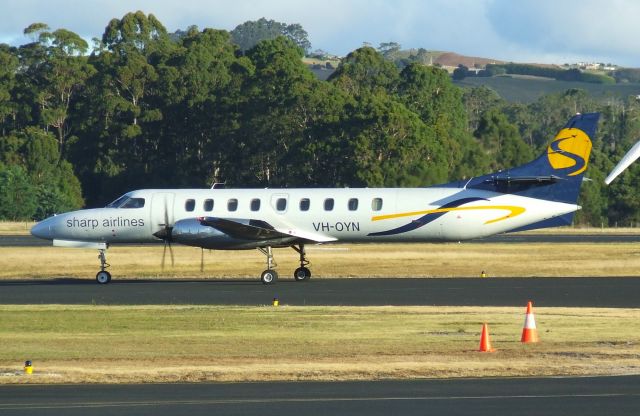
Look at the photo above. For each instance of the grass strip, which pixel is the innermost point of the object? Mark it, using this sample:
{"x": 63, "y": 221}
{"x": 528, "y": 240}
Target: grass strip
{"x": 348, "y": 260}
{"x": 78, "y": 344}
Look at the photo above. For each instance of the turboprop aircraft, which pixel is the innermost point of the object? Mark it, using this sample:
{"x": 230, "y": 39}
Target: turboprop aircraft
{"x": 541, "y": 193}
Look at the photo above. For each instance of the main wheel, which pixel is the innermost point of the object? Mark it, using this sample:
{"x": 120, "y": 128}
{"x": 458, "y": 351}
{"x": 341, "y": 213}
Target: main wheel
{"x": 301, "y": 274}
{"x": 103, "y": 277}
{"x": 269, "y": 277}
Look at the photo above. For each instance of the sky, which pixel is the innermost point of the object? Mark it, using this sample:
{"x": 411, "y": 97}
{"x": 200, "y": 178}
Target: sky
{"x": 543, "y": 31}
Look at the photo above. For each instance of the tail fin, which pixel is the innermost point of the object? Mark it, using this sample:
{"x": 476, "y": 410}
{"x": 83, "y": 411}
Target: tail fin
{"x": 557, "y": 174}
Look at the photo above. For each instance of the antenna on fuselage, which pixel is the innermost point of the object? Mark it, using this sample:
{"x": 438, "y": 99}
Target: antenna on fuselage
{"x": 219, "y": 185}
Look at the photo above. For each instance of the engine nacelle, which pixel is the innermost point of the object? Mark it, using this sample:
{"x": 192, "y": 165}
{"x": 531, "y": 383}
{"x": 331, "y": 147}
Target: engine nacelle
{"x": 191, "y": 232}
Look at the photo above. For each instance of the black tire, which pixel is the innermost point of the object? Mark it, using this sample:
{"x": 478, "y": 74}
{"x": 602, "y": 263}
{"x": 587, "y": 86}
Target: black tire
{"x": 301, "y": 274}
{"x": 269, "y": 277}
{"x": 103, "y": 277}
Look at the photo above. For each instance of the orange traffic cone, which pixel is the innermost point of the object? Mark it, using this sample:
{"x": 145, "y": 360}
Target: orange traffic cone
{"x": 529, "y": 332}
{"x": 485, "y": 344}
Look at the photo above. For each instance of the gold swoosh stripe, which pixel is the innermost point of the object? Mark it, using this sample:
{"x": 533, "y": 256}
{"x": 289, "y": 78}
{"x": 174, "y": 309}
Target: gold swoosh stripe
{"x": 513, "y": 212}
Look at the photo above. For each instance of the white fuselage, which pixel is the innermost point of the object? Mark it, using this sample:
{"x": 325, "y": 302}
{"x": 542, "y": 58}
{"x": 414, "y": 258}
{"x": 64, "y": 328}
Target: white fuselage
{"x": 354, "y": 215}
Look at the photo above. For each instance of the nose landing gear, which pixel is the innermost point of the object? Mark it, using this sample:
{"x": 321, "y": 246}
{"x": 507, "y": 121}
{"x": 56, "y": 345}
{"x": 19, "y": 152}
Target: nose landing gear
{"x": 103, "y": 277}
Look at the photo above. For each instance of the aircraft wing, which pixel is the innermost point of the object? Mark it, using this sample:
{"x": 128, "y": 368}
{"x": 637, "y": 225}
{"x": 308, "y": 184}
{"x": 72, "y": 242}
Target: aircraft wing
{"x": 249, "y": 229}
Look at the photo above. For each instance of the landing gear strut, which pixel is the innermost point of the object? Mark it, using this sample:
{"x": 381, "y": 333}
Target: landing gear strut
{"x": 302, "y": 273}
{"x": 103, "y": 277}
{"x": 268, "y": 276}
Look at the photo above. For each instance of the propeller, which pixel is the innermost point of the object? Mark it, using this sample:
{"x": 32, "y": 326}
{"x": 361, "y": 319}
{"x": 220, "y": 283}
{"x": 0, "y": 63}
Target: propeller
{"x": 201, "y": 260}
{"x": 165, "y": 235}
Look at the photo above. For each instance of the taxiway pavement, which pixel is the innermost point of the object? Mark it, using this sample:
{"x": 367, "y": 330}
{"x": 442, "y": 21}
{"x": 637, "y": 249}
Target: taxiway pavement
{"x": 582, "y": 396}
{"x": 613, "y": 292}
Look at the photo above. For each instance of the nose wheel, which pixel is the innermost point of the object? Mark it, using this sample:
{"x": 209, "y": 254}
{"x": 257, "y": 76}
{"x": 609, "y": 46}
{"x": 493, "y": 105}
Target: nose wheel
{"x": 103, "y": 276}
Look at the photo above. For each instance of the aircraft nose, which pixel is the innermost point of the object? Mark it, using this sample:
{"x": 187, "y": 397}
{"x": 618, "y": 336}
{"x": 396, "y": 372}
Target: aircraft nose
{"x": 42, "y": 230}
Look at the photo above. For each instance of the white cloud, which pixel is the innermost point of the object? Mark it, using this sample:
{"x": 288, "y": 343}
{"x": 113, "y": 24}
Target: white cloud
{"x": 585, "y": 28}
{"x": 523, "y": 30}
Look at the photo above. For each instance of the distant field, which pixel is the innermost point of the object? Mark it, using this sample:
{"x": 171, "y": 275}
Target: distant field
{"x": 529, "y": 89}
{"x": 15, "y": 227}
{"x": 165, "y": 343}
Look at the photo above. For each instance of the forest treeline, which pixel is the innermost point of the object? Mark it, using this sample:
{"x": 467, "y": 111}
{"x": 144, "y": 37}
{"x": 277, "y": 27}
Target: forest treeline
{"x": 144, "y": 108}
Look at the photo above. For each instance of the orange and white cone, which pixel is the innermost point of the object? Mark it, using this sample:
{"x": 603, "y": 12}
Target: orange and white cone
{"x": 485, "y": 344}
{"x": 529, "y": 332}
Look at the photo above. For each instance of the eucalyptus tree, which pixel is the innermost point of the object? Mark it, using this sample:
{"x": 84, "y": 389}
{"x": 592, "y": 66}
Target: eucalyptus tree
{"x": 58, "y": 70}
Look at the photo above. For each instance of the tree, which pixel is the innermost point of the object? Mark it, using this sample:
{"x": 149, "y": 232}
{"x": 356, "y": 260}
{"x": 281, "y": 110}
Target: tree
{"x": 8, "y": 68}
{"x": 250, "y": 33}
{"x": 502, "y": 142}
{"x": 477, "y": 100}
{"x": 365, "y": 70}
{"x": 274, "y": 112}
{"x": 17, "y": 194}
{"x": 460, "y": 72}
{"x": 429, "y": 92}
{"x": 389, "y": 50}
{"x": 52, "y": 74}
{"x": 392, "y": 146}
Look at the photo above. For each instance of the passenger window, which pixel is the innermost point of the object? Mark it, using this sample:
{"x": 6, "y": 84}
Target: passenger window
{"x": 133, "y": 203}
{"x": 328, "y": 204}
{"x": 255, "y": 204}
{"x": 232, "y": 205}
{"x": 304, "y": 204}
{"x": 208, "y": 205}
{"x": 376, "y": 204}
{"x": 353, "y": 204}
{"x": 281, "y": 204}
{"x": 190, "y": 205}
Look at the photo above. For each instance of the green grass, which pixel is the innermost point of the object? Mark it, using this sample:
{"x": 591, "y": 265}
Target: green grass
{"x": 190, "y": 343}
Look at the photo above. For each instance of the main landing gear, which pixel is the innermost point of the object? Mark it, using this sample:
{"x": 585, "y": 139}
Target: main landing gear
{"x": 302, "y": 273}
{"x": 103, "y": 276}
{"x": 270, "y": 276}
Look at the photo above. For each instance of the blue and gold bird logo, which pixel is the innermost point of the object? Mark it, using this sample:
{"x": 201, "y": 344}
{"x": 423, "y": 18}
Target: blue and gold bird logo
{"x": 570, "y": 151}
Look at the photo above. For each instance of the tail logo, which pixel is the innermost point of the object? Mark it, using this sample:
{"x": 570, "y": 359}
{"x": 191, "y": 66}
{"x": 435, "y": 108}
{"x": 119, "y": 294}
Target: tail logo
{"x": 570, "y": 151}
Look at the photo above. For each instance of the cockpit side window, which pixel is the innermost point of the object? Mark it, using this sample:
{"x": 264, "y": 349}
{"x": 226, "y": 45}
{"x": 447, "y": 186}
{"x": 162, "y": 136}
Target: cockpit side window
{"x": 118, "y": 202}
{"x": 126, "y": 201}
{"x": 133, "y": 203}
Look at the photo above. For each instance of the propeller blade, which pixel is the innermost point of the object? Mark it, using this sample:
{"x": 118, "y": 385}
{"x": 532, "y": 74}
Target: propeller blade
{"x": 165, "y": 234}
{"x": 164, "y": 253}
{"x": 201, "y": 260}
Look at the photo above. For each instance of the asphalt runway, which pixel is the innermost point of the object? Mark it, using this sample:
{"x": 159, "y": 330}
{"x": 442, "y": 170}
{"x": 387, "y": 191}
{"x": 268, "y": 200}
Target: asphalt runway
{"x": 495, "y": 397}
{"x": 610, "y": 292}
{"x": 492, "y": 397}
{"x": 30, "y": 241}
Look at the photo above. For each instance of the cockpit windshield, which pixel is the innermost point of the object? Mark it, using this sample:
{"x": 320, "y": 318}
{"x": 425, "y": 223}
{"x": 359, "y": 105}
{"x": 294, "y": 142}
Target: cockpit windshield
{"x": 126, "y": 201}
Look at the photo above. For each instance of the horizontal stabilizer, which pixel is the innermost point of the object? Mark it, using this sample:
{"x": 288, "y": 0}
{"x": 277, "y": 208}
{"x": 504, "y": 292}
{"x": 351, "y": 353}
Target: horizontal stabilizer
{"x": 548, "y": 179}
{"x": 625, "y": 162}
{"x": 79, "y": 244}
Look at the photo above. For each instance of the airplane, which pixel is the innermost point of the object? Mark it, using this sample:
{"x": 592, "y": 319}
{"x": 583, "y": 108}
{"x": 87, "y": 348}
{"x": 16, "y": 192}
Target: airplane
{"x": 541, "y": 193}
